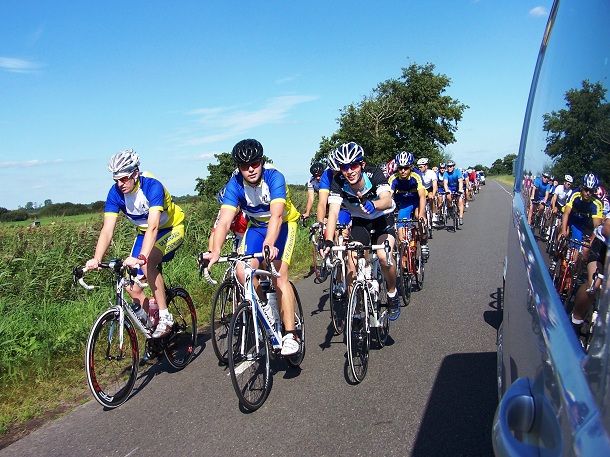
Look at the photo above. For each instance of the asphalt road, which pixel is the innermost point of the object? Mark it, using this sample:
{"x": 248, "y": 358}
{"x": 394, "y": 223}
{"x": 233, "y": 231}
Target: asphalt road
{"x": 430, "y": 392}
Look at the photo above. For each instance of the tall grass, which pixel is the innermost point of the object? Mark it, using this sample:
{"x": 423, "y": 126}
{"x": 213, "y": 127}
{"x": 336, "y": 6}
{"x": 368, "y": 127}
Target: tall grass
{"x": 45, "y": 320}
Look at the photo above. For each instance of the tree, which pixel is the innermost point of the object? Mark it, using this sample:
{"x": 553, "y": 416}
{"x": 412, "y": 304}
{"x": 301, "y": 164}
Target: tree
{"x": 48, "y": 202}
{"x": 409, "y": 113}
{"x": 578, "y": 137}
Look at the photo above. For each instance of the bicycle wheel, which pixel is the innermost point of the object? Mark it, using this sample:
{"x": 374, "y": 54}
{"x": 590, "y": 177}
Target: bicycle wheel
{"x": 225, "y": 303}
{"x": 249, "y": 365}
{"x": 299, "y": 330}
{"x": 403, "y": 278}
{"x": 454, "y": 215}
{"x": 180, "y": 343}
{"x": 382, "y": 331}
{"x": 111, "y": 371}
{"x": 358, "y": 338}
{"x": 318, "y": 265}
{"x": 337, "y": 301}
{"x": 419, "y": 268}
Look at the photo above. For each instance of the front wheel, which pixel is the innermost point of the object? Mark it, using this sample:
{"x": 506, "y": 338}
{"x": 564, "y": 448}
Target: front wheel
{"x": 249, "y": 358}
{"x": 358, "y": 337}
{"x": 420, "y": 268}
{"x": 112, "y": 370}
{"x": 180, "y": 343}
{"x": 225, "y": 303}
{"x": 337, "y": 301}
{"x": 403, "y": 277}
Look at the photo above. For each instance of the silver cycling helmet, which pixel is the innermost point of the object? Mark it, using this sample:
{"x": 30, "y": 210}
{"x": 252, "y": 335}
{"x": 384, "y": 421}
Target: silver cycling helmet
{"x": 123, "y": 163}
{"x": 422, "y": 161}
{"x": 568, "y": 178}
{"x": 349, "y": 153}
{"x": 332, "y": 161}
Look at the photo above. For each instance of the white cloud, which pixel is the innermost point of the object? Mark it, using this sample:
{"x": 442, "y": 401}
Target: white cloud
{"x": 229, "y": 121}
{"x": 539, "y": 11}
{"x": 29, "y": 163}
{"x": 18, "y": 65}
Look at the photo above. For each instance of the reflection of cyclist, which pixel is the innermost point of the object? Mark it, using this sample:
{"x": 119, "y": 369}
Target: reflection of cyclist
{"x": 313, "y": 185}
{"x": 583, "y": 211}
{"x": 149, "y": 206}
{"x": 272, "y": 222}
{"x": 539, "y": 195}
{"x": 366, "y": 194}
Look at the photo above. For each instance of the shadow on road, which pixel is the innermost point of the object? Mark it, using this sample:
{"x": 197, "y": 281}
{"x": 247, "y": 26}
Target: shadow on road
{"x": 461, "y": 408}
{"x": 494, "y": 318}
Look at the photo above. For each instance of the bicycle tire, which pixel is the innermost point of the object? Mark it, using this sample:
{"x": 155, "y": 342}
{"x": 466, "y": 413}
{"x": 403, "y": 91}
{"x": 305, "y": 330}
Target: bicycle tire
{"x": 403, "y": 278}
{"x": 224, "y": 305}
{"x": 179, "y": 345}
{"x": 358, "y": 338}
{"x": 337, "y": 304}
{"x": 320, "y": 270}
{"x": 299, "y": 330}
{"x": 454, "y": 212}
{"x": 382, "y": 331}
{"x": 249, "y": 369}
{"x": 111, "y": 373}
{"x": 420, "y": 268}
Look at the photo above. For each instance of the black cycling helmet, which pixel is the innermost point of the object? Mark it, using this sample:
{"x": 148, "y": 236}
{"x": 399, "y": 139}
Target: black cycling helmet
{"x": 247, "y": 151}
{"x": 317, "y": 168}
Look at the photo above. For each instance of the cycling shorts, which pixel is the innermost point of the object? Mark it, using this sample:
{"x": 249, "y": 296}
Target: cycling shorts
{"x": 286, "y": 240}
{"x": 405, "y": 213}
{"x": 361, "y": 228}
{"x": 168, "y": 241}
{"x": 598, "y": 251}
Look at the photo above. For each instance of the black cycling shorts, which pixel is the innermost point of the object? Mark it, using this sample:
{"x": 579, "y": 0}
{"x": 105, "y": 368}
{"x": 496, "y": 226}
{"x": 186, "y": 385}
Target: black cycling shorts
{"x": 361, "y": 228}
{"x": 598, "y": 251}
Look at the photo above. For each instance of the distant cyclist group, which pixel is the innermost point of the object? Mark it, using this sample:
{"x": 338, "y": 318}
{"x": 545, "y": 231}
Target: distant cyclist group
{"x": 573, "y": 218}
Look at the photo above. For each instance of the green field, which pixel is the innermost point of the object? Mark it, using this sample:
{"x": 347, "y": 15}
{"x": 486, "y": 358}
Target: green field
{"x": 45, "y": 320}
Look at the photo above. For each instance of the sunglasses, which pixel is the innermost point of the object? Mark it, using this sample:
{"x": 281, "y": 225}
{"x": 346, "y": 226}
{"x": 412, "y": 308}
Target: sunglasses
{"x": 350, "y": 166}
{"x": 404, "y": 168}
{"x": 450, "y": 166}
{"x": 246, "y": 166}
{"x": 124, "y": 179}
{"x": 586, "y": 189}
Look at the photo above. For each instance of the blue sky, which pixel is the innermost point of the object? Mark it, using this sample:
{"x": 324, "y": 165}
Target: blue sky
{"x": 179, "y": 81}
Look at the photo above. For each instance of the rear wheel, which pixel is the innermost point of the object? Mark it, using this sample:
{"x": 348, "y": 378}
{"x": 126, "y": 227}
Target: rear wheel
{"x": 403, "y": 277}
{"x": 358, "y": 338}
{"x": 225, "y": 303}
{"x": 420, "y": 268}
{"x": 383, "y": 320}
{"x": 180, "y": 343}
{"x": 249, "y": 358}
{"x": 111, "y": 370}
{"x": 299, "y": 330}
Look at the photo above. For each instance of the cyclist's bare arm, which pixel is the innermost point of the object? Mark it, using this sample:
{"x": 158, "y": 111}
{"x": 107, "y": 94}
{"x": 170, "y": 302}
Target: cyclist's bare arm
{"x": 103, "y": 242}
{"x": 322, "y": 201}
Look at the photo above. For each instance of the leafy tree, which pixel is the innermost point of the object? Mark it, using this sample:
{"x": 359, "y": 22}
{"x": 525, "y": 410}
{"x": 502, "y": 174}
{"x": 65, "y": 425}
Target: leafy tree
{"x": 409, "y": 113}
{"x": 14, "y": 216}
{"x": 578, "y": 138}
{"x": 219, "y": 174}
{"x": 48, "y": 202}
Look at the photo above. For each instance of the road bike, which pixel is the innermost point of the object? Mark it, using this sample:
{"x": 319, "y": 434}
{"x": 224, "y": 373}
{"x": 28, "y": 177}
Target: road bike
{"x": 255, "y": 333}
{"x": 338, "y": 285}
{"x": 365, "y": 310}
{"x": 453, "y": 210}
{"x": 112, "y": 355}
{"x": 411, "y": 262}
{"x": 321, "y": 270}
{"x": 568, "y": 268}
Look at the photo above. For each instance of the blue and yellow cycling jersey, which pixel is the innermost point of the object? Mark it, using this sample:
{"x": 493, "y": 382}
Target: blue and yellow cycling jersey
{"x": 256, "y": 200}
{"x": 405, "y": 191}
{"x": 326, "y": 180}
{"x": 584, "y": 210}
{"x": 148, "y": 194}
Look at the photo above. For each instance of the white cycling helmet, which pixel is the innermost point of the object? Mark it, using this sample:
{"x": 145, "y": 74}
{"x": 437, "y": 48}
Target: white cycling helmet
{"x": 404, "y": 159}
{"x": 349, "y": 153}
{"x": 332, "y": 161}
{"x": 568, "y": 178}
{"x": 123, "y": 163}
{"x": 422, "y": 161}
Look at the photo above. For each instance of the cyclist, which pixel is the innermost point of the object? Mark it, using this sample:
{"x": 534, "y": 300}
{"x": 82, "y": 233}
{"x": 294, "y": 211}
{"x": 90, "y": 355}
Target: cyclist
{"x": 454, "y": 182}
{"x": 410, "y": 195}
{"x": 430, "y": 182}
{"x": 561, "y": 194}
{"x": 263, "y": 195}
{"x": 366, "y": 193}
{"x": 313, "y": 186}
{"x": 583, "y": 212}
{"x": 539, "y": 195}
{"x": 238, "y": 225}
{"x": 147, "y": 204}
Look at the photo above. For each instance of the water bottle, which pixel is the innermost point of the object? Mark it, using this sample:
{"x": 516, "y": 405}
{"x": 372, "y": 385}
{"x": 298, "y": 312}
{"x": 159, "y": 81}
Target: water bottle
{"x": 374, "y": 285}
{"x": 140, "y": 313}
{"x": 272, "y": 302}
{"x": 153, "y": 312}
{"x": 267, "y": 309}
